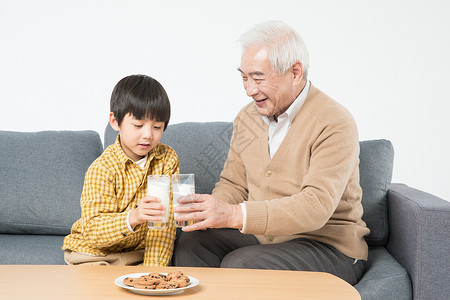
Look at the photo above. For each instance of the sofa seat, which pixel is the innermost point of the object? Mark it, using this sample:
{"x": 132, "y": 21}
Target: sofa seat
{"x": 383, "y": 276}
{"x": 31, "y": 249}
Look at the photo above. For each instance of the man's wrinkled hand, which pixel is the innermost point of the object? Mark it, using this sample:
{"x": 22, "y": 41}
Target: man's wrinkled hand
{"x": 208, "y": 212}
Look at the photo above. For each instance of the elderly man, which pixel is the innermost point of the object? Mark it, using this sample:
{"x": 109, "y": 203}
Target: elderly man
{"x": 289, "y": 196}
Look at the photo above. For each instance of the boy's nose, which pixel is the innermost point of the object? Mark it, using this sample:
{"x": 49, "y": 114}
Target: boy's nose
{"x": 148, "y": 134}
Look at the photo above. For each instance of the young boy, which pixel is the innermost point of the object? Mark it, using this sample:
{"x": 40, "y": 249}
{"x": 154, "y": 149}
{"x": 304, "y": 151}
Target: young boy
{"x": 114, "y": 206}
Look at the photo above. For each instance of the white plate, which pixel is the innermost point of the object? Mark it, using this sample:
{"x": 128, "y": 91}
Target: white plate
{"x": 119, "y": 282}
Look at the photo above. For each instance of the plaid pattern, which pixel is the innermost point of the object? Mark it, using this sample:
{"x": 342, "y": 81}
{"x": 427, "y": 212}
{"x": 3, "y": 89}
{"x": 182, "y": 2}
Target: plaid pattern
{"x": 113, "y": 186}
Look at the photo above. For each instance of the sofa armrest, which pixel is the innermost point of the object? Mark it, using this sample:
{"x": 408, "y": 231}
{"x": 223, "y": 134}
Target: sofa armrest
{"x": 419, "y": 225}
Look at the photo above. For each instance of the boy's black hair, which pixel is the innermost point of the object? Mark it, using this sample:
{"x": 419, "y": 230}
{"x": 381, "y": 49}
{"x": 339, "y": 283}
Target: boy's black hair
{"x": 143, "y": 97}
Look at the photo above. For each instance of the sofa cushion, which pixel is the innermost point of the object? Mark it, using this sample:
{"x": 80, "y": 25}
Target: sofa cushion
{"x": 31, "y": 249}
{"x": 384, "y": 278}
{"x": 202, "y": 149}
{"x": 41, "y": 179}
{"x": 375, "y": 168}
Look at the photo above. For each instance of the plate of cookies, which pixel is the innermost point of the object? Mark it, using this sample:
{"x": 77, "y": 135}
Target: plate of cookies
{"x": 156, "y": 283}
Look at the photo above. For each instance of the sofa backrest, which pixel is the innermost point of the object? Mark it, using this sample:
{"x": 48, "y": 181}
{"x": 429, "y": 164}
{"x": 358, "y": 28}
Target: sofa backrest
{"x": 41, "y": 179}
{"x": 202, "y": 149}
{"x": 376, "y": 161}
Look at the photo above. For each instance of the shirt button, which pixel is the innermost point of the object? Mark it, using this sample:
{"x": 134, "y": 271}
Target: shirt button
{"x": 270, "y": 239}
{"x": 269, "y": 173}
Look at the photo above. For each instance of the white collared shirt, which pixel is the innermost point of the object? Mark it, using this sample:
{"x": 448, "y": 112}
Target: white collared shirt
{"x": 141, "y": 162}
{"x": 278, "y": 131}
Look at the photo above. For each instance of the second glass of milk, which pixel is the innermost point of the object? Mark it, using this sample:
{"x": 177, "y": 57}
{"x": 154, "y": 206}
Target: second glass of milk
{"x": 182, "y": 185}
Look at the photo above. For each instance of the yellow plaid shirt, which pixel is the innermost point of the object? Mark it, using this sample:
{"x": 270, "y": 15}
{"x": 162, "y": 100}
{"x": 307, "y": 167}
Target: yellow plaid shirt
{"x": 113, "y": 186}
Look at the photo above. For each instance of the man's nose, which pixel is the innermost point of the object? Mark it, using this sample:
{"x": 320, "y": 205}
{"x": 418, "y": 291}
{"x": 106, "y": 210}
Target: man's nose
{"x": 251, "y": 88}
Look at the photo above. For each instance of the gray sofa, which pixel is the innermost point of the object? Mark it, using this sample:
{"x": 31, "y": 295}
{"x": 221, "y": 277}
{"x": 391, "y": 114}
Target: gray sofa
{"x": 42, "y": 173}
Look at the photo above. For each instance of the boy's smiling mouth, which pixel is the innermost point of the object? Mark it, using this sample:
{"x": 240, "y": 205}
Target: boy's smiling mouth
{"x": 144, "y": 145}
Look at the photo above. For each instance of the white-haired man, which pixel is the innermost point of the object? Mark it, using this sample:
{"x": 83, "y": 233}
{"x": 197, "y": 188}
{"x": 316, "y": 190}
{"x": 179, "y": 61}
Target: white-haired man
{"x": 289, "y": 195}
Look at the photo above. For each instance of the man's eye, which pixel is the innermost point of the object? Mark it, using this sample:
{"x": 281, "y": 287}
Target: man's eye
{"x": 244, "y": 78}
{"x": 258, "y": 81}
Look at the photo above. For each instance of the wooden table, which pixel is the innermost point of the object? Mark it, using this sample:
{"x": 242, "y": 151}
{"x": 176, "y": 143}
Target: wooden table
{"x": 97, "y": 282}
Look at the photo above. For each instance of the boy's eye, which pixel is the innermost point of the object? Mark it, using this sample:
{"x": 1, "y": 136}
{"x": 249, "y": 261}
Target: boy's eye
{"x": 157, "y": 127}
{"x": 137, "y": 126}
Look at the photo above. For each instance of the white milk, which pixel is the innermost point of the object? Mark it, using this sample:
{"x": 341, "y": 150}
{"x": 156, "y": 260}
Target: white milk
{"x": 162, "y": 191}
{"x": 180, "y": 190}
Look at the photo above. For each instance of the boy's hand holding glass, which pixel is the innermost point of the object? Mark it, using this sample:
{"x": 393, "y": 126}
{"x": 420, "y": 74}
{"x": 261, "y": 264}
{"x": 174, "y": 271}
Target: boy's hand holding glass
{"x": 149, "y": 209}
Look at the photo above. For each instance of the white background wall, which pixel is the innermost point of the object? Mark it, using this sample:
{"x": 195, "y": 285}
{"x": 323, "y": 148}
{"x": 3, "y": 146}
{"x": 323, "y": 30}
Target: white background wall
{"x": 387, "y": 61}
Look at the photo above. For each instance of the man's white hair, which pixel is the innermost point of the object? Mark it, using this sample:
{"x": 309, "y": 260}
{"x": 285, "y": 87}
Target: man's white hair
{"x": 285, "y": 45}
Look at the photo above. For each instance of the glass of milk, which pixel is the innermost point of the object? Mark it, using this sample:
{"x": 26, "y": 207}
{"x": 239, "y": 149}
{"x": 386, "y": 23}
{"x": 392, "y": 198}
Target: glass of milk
{"x": 182, "y": 185}
{"x": 159, "y": 186}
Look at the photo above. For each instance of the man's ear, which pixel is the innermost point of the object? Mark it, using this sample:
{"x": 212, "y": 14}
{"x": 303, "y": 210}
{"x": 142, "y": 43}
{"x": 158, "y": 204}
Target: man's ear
{"x": 297, "y": 71}
{"x": 113, "y": 121}
{"x": 298, "y": 80}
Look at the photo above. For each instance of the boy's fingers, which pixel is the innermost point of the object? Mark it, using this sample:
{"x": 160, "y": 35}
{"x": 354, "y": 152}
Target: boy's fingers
{"x": 155, "y": 213}
{"x": 148, "y": 199}
{"x": 154, "y": 208}
{"x": 153, "y": 218}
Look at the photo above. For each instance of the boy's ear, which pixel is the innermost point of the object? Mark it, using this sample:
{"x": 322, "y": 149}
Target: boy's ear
{"x": 113, "y": 121}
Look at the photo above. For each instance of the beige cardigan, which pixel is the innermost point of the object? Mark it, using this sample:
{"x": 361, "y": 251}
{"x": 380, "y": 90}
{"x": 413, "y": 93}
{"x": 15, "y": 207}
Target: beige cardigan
{"x": 310, "y": 188}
